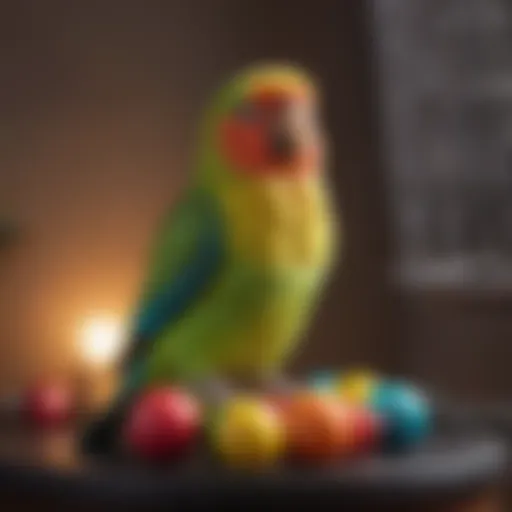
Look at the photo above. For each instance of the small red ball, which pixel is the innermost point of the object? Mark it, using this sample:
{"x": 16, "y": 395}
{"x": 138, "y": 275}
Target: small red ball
{"x": 48, "y": 404}
{"x": 367, "y": 430}
{"x": 162, "y": 424}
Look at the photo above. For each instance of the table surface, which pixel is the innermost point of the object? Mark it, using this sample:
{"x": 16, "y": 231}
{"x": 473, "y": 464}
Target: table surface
{"x": 49, "y": 462}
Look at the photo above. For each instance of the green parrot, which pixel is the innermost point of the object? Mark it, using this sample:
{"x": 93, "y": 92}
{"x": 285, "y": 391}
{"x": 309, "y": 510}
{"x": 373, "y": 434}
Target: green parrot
{"x": 240, "y": 261}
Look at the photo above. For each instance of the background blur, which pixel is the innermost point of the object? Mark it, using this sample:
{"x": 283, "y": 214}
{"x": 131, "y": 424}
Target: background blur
{"x": 99, "y": 105}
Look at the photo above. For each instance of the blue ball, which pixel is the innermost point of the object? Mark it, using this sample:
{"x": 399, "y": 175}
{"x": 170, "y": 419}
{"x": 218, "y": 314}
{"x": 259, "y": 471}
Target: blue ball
{"x": 406, "y": 413}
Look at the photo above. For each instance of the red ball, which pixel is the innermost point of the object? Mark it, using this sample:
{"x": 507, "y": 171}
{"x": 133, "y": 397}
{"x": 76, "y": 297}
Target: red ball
{"x": 163, "y": 423}
{"x": 367, "y": 430}
{"x": 48, "y": 404}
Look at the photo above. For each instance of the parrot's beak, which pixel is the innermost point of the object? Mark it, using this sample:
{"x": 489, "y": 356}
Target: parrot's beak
{"x": 290, "y": 141}
{"x": 272, "y": 132}
{"x": 283, "y": 145}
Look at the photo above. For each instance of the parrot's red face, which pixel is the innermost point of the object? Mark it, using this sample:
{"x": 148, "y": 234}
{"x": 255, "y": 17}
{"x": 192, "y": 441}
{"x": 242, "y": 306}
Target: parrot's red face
{"x": 273, "y": 131}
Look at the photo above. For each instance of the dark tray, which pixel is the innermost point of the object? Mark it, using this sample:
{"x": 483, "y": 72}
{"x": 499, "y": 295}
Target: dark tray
{"x": 50, "y": 464}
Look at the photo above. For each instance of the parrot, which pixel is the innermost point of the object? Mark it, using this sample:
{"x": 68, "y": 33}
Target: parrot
{"x": 240, "y": 260}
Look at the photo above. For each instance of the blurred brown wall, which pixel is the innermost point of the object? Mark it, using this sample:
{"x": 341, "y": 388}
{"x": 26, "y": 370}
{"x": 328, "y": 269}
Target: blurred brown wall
{"x": 99, "y": 102}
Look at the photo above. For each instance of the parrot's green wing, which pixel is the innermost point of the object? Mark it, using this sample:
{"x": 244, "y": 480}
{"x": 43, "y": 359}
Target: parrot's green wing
{"x": 185, "y": 262}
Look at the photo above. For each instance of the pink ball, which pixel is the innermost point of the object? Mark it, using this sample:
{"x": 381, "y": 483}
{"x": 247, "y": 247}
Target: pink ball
{"x": 48, "y": 404}
{"x": 163, "y": 423}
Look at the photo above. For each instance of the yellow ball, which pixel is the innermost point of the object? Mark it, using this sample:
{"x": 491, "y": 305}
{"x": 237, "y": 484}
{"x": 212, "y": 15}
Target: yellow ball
{"x": 356, "y": 387}
{"x": 249, "y": 434}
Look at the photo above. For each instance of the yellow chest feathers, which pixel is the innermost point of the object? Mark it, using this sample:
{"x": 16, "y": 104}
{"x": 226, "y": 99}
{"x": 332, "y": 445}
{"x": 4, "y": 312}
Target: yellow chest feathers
{"x": 280, "y": 222}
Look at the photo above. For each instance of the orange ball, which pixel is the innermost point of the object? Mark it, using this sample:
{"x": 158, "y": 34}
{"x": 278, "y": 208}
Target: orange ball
{"x": 319, "y": 428}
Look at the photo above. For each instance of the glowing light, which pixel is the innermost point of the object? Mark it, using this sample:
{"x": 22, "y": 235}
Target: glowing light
{"x": 101, "y": 340}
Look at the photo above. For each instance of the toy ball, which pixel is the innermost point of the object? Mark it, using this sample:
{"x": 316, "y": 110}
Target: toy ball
{"x": 367, "y": 429}
{"x": 48, "y": 404}
{"x": 319, "y": 428}
{"x": 249, "y": 433}
{"x": 162, "y": 423}
{"x": 406, "y": 413}
{"x": 356, "y": 387}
